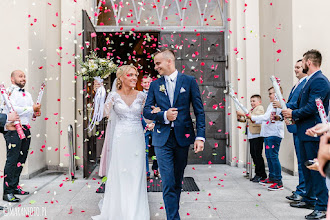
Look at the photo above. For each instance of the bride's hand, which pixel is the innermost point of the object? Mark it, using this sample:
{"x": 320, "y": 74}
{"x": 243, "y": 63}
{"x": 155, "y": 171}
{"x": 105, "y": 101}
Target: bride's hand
{"x": 155, "y": 110}
{"x": 151, "y": 126}
{"x": 97, "y": 85}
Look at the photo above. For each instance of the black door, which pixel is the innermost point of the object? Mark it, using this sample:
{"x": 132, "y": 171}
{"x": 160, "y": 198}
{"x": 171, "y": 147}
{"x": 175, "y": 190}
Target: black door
{"x": 203, "y": 56}
{"x": 89, "y": 149}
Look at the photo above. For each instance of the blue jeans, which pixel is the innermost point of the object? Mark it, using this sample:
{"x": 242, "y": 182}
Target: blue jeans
{"x": 272, "y": 147}
{"x": 300, "y": 190}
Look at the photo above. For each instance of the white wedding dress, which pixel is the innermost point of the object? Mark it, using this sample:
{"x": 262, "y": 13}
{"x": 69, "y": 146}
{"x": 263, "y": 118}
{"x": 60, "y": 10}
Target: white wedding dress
{"x": 125, "y": 195}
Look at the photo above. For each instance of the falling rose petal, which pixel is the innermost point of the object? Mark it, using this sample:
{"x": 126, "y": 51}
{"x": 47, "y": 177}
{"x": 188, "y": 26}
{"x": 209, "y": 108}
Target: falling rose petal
{"x": 274, "y": 41}
{"x": 161, "y": 207}
{"x": 61, "y": 184}
{"x": 253, "y": 79}
{"x": 216, "y": 76}
{"x": 228, "y": 19}
{"x": 19, "y": 164}
{"x": 223, "y": 157}
{"x": 46, "y": 119}
{"x": 67, "y": 155}
{"x": 93, "y": 34}
{"x": 188, "y": 213}
{"x": 187, "y": 135}
{"x": 279, "y": 51}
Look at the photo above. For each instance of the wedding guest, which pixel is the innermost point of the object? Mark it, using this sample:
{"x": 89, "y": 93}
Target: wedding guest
{"x": 293, "y": 98}
{"x": 255, "y": 139}
{"x": 148, "y": 126}
{"x": 273, "y": 133}
{"x": 4, "y": 119}
{"x": 305, "y": 114}
{"x": 17, "y": 149}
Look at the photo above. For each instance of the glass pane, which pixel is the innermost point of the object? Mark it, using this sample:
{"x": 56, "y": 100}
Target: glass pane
{"x": 212, "y": 14}
{"x": 191, "y": 14}
{"x": 127, "y": 16}
{"x": 171, "y": 16}
{"x": 106, "y": 16}
{"x": 148, "y": 13}
{"x": 144, "y": 13}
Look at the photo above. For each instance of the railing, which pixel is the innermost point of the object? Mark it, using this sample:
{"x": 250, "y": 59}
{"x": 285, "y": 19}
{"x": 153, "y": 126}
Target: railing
{"x": 72, "y": 165}
{"x": 249, "y": 161}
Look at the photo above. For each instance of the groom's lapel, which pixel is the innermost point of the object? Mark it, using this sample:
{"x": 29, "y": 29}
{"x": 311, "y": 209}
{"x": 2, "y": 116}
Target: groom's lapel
{"x": 177, "y": 87}
{"x": 162, "y": 82}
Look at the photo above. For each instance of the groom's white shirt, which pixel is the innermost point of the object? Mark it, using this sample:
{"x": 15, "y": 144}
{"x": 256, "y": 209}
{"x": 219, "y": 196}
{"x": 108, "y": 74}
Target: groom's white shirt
{"x": 170, "y": 82}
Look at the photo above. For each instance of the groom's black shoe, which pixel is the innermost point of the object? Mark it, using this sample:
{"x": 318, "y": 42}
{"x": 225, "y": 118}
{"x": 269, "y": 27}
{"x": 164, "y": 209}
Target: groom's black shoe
{"x": 10, "y": 198}
{"x": 101, "y": 189}
{"x": 21, "y": 192}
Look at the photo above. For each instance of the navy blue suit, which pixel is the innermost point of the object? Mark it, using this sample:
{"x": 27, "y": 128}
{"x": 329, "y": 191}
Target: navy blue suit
{"x": 3, "y": 120}
{"x": 293, "y": 98}
{"x": 172, "y": 143}
{"x": 306, "y": 115}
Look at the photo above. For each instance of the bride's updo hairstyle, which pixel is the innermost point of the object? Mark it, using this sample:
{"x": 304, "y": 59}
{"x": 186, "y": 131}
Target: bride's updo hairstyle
{"x": 120, "y": 72}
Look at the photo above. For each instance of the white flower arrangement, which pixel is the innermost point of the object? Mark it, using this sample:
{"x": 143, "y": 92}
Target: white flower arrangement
{"x": 162, "y": 88}
{"x": 95, "y": 67}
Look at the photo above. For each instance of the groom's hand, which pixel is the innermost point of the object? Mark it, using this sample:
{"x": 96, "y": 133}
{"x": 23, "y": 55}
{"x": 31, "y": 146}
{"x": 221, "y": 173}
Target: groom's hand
{"x": 198, "y": 146}
{"x": 171, "y": 114}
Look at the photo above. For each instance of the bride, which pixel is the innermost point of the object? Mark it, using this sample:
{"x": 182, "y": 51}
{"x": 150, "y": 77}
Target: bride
{"x": 125, "y": 195}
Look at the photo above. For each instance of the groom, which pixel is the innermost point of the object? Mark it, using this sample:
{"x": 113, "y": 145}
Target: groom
{"x": 174, "y": 132}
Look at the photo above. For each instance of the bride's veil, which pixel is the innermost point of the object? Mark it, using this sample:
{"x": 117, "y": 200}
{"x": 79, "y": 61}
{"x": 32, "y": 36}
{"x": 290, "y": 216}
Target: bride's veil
{"x": 112, "y": 120}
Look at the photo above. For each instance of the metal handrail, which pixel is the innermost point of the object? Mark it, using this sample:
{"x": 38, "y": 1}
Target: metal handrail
{"x": 72, "y": 153}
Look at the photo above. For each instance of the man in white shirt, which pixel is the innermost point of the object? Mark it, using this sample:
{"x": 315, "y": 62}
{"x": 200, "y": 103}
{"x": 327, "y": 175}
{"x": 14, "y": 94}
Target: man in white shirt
{"x": 148, "y": 126}
{"x": 17, "y": 149}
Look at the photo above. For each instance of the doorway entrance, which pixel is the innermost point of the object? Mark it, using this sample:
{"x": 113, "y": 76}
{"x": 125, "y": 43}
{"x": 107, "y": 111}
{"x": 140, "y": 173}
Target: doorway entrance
{"x": 200, "y": 55}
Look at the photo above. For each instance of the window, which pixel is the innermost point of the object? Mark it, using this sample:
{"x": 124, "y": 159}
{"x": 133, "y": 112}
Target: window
{"x": 160, "y": 13}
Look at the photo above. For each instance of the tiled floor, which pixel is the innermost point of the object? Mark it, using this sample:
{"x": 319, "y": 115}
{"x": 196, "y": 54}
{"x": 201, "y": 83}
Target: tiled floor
{"x": 225, "y": 194}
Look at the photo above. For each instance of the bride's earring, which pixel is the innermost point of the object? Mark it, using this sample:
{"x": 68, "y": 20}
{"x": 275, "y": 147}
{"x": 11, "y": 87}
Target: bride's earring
{"x": 119, "y": 84}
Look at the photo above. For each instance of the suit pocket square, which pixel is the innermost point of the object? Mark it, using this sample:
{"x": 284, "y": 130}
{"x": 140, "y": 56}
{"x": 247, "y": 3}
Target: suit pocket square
{"x": 182, "y": 90}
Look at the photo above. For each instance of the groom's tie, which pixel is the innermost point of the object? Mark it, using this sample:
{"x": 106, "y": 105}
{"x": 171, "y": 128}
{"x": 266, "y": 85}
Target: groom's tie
{"x": 170, "y": 83}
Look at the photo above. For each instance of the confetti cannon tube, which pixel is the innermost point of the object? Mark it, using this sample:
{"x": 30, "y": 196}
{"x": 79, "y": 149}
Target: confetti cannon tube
{"x": 232, "y": 93}
{"x": 41, "y": 92}
{"x": 10, "y": 108}
{"x": 321, "y": 110}
{"x": 278, "y": 92}
{"x": 237, "y": 103}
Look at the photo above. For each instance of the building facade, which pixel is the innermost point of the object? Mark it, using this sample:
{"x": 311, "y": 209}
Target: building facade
{"x": 217, "y": 41}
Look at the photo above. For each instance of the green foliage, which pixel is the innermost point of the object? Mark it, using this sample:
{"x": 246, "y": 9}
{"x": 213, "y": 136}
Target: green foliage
{"x": 95, "y": 66}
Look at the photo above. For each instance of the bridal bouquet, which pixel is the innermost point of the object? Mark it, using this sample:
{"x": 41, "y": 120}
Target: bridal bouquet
{"x": 98, "y": 69}
{"x": 95, "y": 67}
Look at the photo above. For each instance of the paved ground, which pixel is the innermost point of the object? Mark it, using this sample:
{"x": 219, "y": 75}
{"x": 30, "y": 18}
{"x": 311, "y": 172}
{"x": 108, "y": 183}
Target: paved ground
{"x": 225, "y": 194}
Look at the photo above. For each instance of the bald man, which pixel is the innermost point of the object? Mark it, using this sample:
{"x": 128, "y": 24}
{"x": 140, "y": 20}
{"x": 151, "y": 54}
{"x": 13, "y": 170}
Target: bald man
{"x": 17, "y": 149}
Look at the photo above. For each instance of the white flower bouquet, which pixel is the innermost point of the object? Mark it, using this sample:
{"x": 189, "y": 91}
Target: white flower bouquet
{"x": 95, "y": 67}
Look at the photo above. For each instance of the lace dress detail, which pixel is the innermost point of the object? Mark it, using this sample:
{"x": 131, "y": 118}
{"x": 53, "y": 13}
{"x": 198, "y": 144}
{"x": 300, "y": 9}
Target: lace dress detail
{"x": 126, "y": 187}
